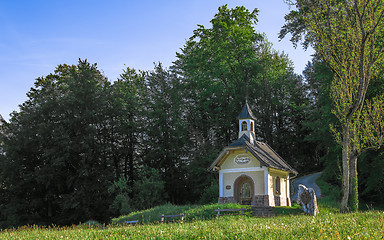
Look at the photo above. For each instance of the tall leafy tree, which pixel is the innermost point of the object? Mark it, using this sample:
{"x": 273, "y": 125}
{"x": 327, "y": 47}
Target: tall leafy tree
{"x": 319, "y": 78}
{"x": 55, "y": 167}
{"x": 346, "y": 35}
{"x": 221, "y": 67}
{"x": 217, "y": 64}
{"x": 279, "y": 99}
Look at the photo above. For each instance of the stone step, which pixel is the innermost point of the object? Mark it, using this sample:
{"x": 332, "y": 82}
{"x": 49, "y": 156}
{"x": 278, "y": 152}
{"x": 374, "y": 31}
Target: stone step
{"x": 263, "y": 211}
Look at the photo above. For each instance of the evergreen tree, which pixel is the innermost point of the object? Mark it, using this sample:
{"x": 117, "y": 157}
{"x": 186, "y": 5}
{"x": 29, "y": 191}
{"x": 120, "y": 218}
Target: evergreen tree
{"x": 55, "y": 168}
{"x": 125, "y": 116}
{"x": 164, "y": 130}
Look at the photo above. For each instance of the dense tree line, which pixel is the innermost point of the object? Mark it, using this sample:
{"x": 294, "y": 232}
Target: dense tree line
{"x": 82, "y": 147}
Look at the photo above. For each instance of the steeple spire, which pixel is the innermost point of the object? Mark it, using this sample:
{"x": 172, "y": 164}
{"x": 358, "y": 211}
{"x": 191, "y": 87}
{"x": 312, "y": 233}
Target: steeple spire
{"x": 247, "y": 123}
{"x": 246, "y": 112}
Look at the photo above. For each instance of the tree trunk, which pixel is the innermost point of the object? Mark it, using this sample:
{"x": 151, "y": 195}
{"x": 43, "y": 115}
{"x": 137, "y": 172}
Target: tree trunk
{"x": 353, "y": 183}
{"x": 345, "y": 162}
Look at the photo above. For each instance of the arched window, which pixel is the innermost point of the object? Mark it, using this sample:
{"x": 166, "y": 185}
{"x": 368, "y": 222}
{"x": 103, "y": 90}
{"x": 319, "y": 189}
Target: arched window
{"x": 277, "y": 185}
{"x": 252, "y": 127}
{"x": 244, "y": 126}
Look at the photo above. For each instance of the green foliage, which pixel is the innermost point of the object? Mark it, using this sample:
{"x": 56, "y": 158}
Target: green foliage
{"x": 126, "y": 107}
{"x": 371, "y": 181}
{"x": 210, "y": 194}
{"x": 326, "y": 149}
{"x": 164, "y": 129}
{"x": 295, "y": 209}
{"x": 149, "y": 190}
{"x": 146, "y": 192}
{"x": 320, "y": 77}
{"x": 122, "y": 201}
{"x": 217, "y": 64}
{"x": 347, "y": 35}
{"x": 74, "y": 137}
{"x": 330, "y": 195}
{"x": 224, "y": 65}
{"x": 55, "y": 169}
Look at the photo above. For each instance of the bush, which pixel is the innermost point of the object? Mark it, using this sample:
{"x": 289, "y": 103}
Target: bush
{"x": 122, "y": 203}
{"x": 146, "y": 193}
{"x": 210, "y": 194}
{"x": 149, "y": 190}
{"x": 91, "y": 224}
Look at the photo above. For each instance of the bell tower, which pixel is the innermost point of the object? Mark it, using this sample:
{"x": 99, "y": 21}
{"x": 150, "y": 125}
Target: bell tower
{"x": 247, "y": 123}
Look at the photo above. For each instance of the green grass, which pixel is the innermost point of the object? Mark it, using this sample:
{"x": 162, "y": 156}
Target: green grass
{"x": 201, "y": 223}
{"x": 361, "y": 225}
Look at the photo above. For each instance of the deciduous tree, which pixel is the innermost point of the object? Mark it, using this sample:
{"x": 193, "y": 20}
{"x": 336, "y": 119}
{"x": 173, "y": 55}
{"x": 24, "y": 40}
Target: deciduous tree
{"x": 346, "y": 35}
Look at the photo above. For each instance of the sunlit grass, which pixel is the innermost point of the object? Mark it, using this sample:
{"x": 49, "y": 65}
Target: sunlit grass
{"x": 201, "y": 223}
{"x": 362, "y": 225}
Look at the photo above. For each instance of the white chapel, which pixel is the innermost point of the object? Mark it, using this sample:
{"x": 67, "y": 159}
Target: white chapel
{"x": 251, "y": 172}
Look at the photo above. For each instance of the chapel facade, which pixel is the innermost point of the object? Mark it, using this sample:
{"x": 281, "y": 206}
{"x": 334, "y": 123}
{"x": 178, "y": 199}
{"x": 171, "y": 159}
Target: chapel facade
{"x": 251, "y": 172}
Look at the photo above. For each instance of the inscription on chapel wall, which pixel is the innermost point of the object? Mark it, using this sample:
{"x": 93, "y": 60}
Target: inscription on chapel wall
{"x": 242, "y": 159}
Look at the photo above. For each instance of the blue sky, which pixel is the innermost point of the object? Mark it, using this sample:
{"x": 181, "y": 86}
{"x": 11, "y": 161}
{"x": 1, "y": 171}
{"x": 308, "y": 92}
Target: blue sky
{"x": 36, "y": 36}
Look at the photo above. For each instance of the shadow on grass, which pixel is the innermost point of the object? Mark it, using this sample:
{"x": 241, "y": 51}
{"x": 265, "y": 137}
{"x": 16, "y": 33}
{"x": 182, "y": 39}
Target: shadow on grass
{"x": 192, "y": 213}
{"x": 206, "y": 212}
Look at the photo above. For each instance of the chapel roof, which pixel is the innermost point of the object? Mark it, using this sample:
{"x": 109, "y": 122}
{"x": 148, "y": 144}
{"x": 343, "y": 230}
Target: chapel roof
{"x": 261, "y": 151}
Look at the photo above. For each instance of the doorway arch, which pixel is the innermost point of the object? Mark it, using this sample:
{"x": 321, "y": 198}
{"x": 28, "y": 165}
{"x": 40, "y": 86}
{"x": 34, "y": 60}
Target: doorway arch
{"x": 244, "y": 190}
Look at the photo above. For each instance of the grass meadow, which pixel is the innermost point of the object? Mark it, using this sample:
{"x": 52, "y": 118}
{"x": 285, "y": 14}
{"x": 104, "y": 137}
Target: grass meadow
{"x": 201, "y": 223}
{"x": 329, "y": 224}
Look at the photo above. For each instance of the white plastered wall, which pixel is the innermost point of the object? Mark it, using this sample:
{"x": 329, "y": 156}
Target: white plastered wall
{"x": 229, "y": 176}
{"x": 284, "y": 183}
